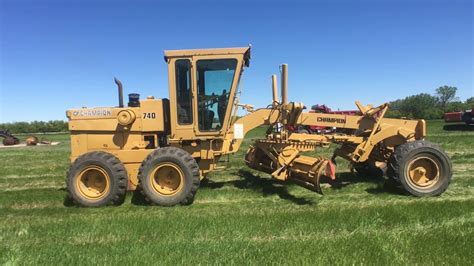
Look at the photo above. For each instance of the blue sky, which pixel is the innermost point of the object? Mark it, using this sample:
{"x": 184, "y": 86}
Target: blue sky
{"x": 56, "y": 55}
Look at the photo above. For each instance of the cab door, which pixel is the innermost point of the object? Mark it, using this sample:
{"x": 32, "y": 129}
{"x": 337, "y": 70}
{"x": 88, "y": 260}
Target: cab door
{"x": 215, "y": 80}
{"x": 181, "y": 88}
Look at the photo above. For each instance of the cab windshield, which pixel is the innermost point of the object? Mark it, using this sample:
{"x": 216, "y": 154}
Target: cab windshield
{"x": 214, "y": 84}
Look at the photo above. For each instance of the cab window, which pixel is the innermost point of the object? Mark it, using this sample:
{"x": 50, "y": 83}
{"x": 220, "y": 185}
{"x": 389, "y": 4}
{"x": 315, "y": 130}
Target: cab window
{"x": 183, "y": 91}
{"x": 214, "y": 83}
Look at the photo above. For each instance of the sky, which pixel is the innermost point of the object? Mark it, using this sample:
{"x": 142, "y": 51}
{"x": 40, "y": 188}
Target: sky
{"x": 56, "y": 55}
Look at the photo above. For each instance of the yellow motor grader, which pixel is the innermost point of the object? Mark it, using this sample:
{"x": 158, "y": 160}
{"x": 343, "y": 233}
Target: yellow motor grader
{"x": 163, "y": 148}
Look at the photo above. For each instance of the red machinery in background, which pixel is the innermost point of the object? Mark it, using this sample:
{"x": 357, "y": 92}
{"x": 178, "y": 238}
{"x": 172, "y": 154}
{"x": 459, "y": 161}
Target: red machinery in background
{"x": 463, "y": 116}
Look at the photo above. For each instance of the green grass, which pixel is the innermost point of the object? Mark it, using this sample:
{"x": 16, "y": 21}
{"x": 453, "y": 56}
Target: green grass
{"x": 240, "y": 216}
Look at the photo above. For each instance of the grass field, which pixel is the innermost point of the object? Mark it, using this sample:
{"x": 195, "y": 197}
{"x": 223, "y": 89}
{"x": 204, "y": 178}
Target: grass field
{"x": 240, "y": 216}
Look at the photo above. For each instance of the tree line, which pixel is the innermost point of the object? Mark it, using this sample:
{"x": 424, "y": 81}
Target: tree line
{"x": 427, "y": 106}
{"x": 35, "y": 126}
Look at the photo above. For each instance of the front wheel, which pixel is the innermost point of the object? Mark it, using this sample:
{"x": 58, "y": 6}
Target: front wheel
{"x": 422, "y": 168}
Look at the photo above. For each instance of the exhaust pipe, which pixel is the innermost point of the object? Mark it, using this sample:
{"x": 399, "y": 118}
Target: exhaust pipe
{"x": 284, "y": 84}
{"x": 275, "y": 90}
{"x": 120, "y": 91}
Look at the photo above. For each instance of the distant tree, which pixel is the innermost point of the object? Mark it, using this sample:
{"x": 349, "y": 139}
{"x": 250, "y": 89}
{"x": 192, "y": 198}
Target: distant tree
{"x": 394, "y": 109}
{"x": 426, "y": 106}
{"x": 393, "y": 113}
{"x": 470, "y": 102}
{"x": 456, "y": 106}
{"x": 35, "y": 126}
{"x": 445, "y": 95}
{"x": 416, "y": 106}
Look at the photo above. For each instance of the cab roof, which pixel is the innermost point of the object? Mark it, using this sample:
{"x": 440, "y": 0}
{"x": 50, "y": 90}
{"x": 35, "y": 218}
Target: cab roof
{"x": 214, "y": 51}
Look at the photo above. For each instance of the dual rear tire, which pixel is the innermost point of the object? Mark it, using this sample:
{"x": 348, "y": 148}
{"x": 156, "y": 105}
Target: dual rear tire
{"x": 97, "y": 179}
{"x": 167, "y": 177}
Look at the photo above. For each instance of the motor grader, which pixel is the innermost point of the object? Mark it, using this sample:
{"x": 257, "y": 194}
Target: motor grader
{"x": 163, "y": 148}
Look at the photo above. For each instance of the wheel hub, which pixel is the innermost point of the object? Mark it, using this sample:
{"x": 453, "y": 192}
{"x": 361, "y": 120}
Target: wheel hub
{"x": 93, "y": 182}
{"x": 423, "y": 171}
{"x": 167, "y": 179}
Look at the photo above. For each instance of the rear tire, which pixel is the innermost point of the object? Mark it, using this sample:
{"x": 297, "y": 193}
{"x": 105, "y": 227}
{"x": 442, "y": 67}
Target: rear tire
{"x": 422, "y": 168}
{"x": 97, "y": 179}
{"x": 169, "y": 176}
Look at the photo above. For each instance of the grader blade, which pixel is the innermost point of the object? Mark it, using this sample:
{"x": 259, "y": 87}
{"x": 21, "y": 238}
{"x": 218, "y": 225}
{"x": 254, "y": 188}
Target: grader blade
{"x": 302, "y": 170}
{"x": 307, "y": 172}
{"x": 316, "y": 187}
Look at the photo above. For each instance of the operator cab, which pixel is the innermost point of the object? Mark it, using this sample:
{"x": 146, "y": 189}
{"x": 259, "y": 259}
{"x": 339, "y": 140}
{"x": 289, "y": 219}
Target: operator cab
{"x": 203, "y": 85}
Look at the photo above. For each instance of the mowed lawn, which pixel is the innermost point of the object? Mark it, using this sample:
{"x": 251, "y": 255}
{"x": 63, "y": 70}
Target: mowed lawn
{"x": 239, "y": 216}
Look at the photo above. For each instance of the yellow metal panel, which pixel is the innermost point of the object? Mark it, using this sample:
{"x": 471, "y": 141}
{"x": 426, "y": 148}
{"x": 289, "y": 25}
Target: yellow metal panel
{"x": 202, "y": 52}
{"x": 104, "y": 141}
{"x": 149, "y": 117}
{"x": 152, "y": 115}
{"x": 78, "y": 145}
{"x": 132, "y": 171}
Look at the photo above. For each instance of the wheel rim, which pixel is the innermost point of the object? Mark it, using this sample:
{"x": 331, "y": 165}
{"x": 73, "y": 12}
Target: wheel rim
{"x": 93, "y": 182}
{"x": 423, "y": 172}
{"x": 167, "y": 179}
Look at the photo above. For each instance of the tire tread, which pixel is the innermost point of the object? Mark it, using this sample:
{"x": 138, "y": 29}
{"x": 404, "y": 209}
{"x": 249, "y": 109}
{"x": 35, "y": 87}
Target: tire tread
{"x": 181, "y": 155}
{"x": 402, "y": 151}
{"x": 118, "y": 172}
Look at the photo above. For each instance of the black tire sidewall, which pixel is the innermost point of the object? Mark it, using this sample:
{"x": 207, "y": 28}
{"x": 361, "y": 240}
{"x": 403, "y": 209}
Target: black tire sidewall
{"x": 444, "y": 167}
{"x": 86, "y": 160}
{"x": 157, "y": 198}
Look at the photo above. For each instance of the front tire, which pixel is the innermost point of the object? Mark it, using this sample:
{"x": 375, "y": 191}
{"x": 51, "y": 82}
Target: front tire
{"x": 422, "y": 168}
{"x": 169, "y": 176}
{"x": 97, "y": 179}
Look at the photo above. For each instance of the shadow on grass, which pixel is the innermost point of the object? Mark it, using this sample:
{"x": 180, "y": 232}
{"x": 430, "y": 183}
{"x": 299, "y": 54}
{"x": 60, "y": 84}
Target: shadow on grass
{"x": 275, "y": 187}
{"x": 207, "y": 183}
{"x": 345, "y": 179}
{"x": 68, "y": 202}
{"x": 384, "y": 185}
{"x": 459, "y": 127}
{"x": 267, "y": 187}
{"x": 389, "y": 186}
{"x": 138, "y": 198}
